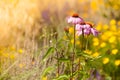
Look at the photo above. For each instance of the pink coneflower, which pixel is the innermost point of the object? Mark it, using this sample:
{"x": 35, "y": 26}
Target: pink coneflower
{"x": 86, "y": 29}
{"x": 75, "y": 19}
{"x": 94, "y": 32}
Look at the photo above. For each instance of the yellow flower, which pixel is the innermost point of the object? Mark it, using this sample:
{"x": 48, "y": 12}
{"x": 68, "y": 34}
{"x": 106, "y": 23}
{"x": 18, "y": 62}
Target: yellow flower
{"x": 88, "y": 51}
{"x": 105, "y": 27}
{"x": 114, "y": 51}
{"x": 112, "y": 39}
{"x": 112, "y": 22}
{"x": 20, "y": 51}
{"x": 103, "y": 44}
{"x": 76, "y": 36}
{"x": 104, "y": 37}
{"x": 117, "y": 62}
{"x": 12, "y": 48}
{"x": 113, "y": 27}
{"x": 96, "y": 54}
{"x": 44, "y": 78}
{"x": 105, "y": 60}
{"x": 77, "y": 42}
{"x": 99, "y": 27}
{"x": 108, "y": 33}
{"x": 94, "y": 5}
{"x": 12, "y": 56}
{"x": 57, "y": 75}
{"x": 72, "y": 41}
{"x": 6, "y": 55}
{"x": 118, "y": 23}
{"x": 21, "y": 65}
{"x": 71, "y": 30}
{"x": 64, "y": 37}
{"x": 116, "y": 7}
{"x": 95, "y": 41}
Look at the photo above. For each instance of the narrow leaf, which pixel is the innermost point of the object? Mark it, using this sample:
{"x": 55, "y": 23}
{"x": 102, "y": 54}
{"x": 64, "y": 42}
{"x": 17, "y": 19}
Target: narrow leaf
{"x": 49, "y": 51}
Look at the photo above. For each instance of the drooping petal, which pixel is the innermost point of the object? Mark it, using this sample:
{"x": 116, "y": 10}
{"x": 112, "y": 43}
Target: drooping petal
{"x": 87, "y": 31}
{"x": 94, "y": 32}
{"x": 78, "y": 27}
{"x": 78, "y": 33}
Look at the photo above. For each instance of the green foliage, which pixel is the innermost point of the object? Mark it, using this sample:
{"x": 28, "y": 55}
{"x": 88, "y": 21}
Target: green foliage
{"x": 47, "y": 54}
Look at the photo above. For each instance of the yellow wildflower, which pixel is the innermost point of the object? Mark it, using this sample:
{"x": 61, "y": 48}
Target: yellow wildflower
{"x": 99, "y": 26}
{"x": 112, "y": 39}
{"x": 57, "y": 75}
{"x": 72, "y": 41}
{"x": 95, "y": 41}
{"x": 105, "y": 27}
{"x": 103, "y": 44}
{"x": 12, "y": 56}
{"x": 64, "y": 37}
{"x": 20, "y": 51}
{"x": 88, "y": 51}
{"x": 112, "y": 22}
{"x": 21, "y": 65}
{"x": 5, "y": 55}
{"x": 71, "y": 30}
{"x": 113, "y": 27}
{"x": 118, "y": 23}
{"x": 104, "y": 37}
{"x": 94, "y": 5}
{"x": 108, "y": 33}
{"x": 77, "y": 42}
{"x": 116, "y": 7}
{"x": 44, "y": 78}
{"x": 12, "y": 48}
{"x": 117, "y": 62}
{"x": 114, "y": 51}
{"x": 96, "y": 54}
{"x": 105, "y": 60}
{"x": 76, "y": 36}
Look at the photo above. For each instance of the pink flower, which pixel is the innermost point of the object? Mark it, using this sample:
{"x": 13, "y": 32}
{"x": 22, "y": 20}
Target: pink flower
{"x": 83, "y": 28}
{"x": 86, "y": 29}
{"x": 94, "y": 32}
{"x": 75, "y": 19}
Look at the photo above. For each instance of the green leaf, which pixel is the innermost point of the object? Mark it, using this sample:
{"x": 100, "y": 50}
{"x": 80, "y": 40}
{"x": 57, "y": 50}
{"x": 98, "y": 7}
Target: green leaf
{"x": 63, "y": 60}
{"x": 62, "y": 77}
{"x": 47, "y": 70}
{"x": 49, "y": 51}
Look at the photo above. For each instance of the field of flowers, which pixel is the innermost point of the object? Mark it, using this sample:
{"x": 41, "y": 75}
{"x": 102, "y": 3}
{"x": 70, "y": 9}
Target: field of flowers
{"x": 59, "y": 40}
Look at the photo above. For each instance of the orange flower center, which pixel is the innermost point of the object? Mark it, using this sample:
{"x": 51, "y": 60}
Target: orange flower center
{"x": 75, "y": 15}
{"x": 91, "y": 25}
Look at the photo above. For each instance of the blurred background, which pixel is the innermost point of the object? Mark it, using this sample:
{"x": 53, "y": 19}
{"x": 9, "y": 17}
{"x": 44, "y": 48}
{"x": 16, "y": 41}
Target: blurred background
{"x": 27, "y": 28}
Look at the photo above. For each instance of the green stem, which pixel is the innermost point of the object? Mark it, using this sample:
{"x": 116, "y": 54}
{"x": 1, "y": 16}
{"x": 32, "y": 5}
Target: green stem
{"x": 73, "y": 55}
{"x": 82, "y": 41}
{"x": 57, "y": 53}
{"x": 58, "y": 66}
{"x": 87, "y": 43}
